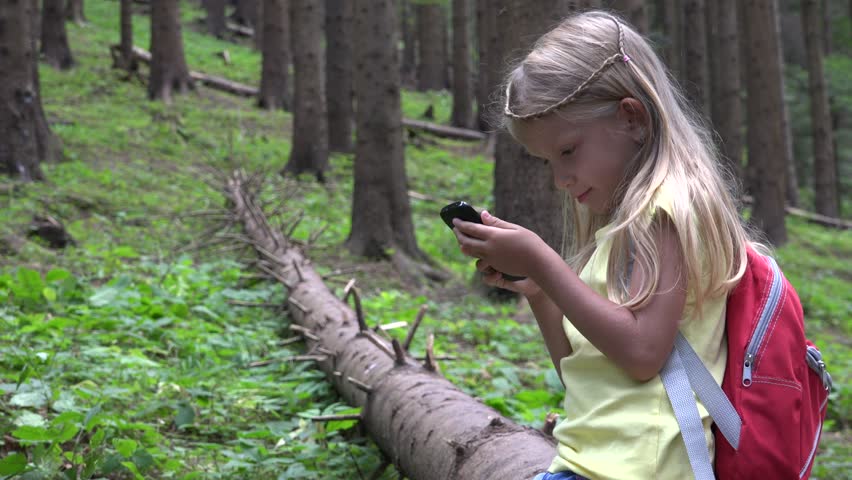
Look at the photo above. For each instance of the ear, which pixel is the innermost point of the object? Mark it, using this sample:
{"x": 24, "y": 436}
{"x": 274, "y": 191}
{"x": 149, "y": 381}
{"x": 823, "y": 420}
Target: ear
{"x": 635, "y": 117}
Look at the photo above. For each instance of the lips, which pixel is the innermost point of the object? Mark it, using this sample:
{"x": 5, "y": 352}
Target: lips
{"x": 582, "y": 197}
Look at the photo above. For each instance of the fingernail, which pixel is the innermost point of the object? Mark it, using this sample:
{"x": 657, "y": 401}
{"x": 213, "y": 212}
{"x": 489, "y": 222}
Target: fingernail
{"x": 485, "y": 214}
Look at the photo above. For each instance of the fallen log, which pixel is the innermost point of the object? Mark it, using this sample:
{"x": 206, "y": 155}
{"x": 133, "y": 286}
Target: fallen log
{"x": 444, "y": 131}
{"x": 426, "y": 426}
{"x": 211, "y": 81}
{"x": 831, "y": 222}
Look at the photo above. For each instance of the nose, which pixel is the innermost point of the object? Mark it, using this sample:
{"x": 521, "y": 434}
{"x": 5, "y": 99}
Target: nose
{"x": 562, "y": 177}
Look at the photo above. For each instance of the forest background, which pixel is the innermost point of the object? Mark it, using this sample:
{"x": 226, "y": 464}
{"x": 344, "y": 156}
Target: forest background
{"x": 139, "y": 335}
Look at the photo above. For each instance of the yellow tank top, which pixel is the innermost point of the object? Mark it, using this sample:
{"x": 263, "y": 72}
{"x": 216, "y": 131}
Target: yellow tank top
{"x": 616, "y": 427}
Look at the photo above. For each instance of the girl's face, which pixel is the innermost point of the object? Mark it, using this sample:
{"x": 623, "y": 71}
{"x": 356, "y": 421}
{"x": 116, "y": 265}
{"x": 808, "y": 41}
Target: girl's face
{"x": 589, "y": 158}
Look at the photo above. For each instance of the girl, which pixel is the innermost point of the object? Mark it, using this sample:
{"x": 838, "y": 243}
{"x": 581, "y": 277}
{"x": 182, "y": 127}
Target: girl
{"x": 657, "y": 243}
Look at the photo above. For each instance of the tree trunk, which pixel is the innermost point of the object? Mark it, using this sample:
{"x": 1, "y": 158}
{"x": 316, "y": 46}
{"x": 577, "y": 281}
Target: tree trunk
{"x": 824, "y": 168}
{"x": 75, "y": 11}
{"x": 27, "y": 138}
{"x": 409, "y": 40}
{"x": 826, "y": 26}
{"x": 488, "y": 80}
{"x": 215, "y": 17}
{"x": 309, "y": 152}
{"x": 697, "y": 75}
{"x": 339, "y": 67}
{"x": 54, "y": 39}
{"x": 246, "y": 12}
{"x": 126, "y": 60}
{"x": 169, "y": 73}
{"x": 462, "y": 97}
{"x": 381, "y": 214}
{"x": 274, "y": 85}
{"x": 727, "y": 104}
{"x": 674, "y": 37}
{"x": 767, "y": 152}
{"x": 524, "y": 192}
{"x": 792, "y": 181}
{"x": 432, "y": 66}
{"x": 430, "y": 429}
{"x": 635, "y": 12}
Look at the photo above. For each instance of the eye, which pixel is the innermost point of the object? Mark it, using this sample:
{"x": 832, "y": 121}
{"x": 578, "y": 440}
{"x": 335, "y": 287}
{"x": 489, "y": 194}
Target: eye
{"x": 568, "y": 151}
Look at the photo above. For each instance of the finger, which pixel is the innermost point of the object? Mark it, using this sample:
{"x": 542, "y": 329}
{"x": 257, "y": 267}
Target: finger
{"x": 492, "y": 221}
{"x": 470, "y": 246}
{"x": 484, "y": 267}
{"x": 472, "y": 229}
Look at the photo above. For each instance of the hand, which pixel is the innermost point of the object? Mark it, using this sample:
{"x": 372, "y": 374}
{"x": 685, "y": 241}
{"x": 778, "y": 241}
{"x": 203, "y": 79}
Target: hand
{"x": 492, "y": 277}
{"x": 504, "y": 246}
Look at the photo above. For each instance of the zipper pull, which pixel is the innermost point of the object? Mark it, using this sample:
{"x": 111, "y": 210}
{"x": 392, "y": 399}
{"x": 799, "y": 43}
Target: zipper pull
{"x": 749, "y": 361}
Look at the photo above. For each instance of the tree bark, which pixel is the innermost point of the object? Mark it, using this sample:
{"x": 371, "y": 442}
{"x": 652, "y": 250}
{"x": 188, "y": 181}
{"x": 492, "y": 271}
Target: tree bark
{"x": 697, "y": 74}
{"x": 215, "y": 17}
{"x": 823, "y": 142}
{"x": 339, "y": 67}
{"x": 432, "y": 60}
{"x": 54, "y": 39}
{"x": 75, "y": 11}
{"x": 488, "y": 79}
{"x": 635, "y": 12}
{"x": 727, "y": 104}
{"x": 309, "y": 152}
{"x": 430, "y": 429}
{"x": 28, "y": 140}
{"x": 169, "y": 72}
{"x": 246, "y": 12}
{"x": 462, "y": 115}
{"x": 524, "y": 192}
{"x": 674, "y": 37}
{"x": 767, "y": 150}
{"x": 791, "y": 178}
{"x": 381, "y": 214}
{"x": 274, "y": 84}
{"x": 407, "y": 26}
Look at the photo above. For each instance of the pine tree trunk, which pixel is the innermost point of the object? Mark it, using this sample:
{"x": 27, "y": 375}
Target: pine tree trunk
{"x": 767, "y": 152}
{"x": 792, "y": 178}
{"x": 824, "y": 168}
{"x": 462, "y": 97}
{"x": 75, "y": 11}
{"x": 381, "y": 214}
{"x": 727, "y": 104}
{"x": 339, "y": 67}
{"x": 407, "y": 25}
{"x": 432, "y": 65}
{"x": 27, "y": 140}
{"x": 215, "y": 17}
{"x": 246, "y": 12}
{"x": 674, "y": 45}
{"x": 54, "y": 39}
{"x": 635, "y": 12}
{"x": 488, "y": 79}
{"x": 309, "y": 152}
{"x": 125, "y": 46}
{"x": 697, "y": 73}
{"x": 524, "y": 192}
{"x": 274, "y": 85}
{"x": 169, "y": 72}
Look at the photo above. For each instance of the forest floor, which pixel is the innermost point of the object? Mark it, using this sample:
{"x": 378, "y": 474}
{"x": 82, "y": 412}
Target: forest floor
{"x": 130, "y": 351}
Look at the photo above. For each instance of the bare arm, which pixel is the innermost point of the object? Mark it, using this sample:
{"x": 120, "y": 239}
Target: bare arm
{"x": 549, "y": 318}
{"x": 638, "y": 341}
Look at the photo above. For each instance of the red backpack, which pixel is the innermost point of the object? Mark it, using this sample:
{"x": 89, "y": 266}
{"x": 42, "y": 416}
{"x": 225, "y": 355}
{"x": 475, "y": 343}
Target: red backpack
{"x": 768, "y": 421}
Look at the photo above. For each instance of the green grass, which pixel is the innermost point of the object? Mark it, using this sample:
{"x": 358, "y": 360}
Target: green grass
{"x": 129, "y": 354}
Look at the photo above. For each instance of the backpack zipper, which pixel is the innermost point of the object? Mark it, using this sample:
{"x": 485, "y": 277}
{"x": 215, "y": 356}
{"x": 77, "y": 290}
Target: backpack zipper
{"x": 763, "y": 323}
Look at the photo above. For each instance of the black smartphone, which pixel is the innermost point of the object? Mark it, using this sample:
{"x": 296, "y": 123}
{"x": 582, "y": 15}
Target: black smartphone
{"x": 463, "y": 211}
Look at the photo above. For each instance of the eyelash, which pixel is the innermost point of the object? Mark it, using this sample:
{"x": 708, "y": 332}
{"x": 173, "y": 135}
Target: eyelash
{"x": 568, "y": 151}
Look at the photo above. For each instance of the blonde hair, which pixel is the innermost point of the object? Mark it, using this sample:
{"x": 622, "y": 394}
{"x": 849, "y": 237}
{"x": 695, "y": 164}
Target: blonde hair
{"x": 581, "y": 70}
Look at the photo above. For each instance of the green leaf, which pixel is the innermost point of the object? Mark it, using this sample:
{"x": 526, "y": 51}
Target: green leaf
{"x": 126, "y": 252}
{"x": 57, "y": 274}
{"x": 130, "y": 466}
{"x": 13, "y": 464}
{"x": 49, "y": 293}
{"x": 32, "y": 434}
{"x": 124, "y": 446}
{"x": 90, "y": 416}
{"x": 97, "y": 438}
{"x": 36, "y": 399}
{"x": 65, "y": 432}
{"x": 185, "y": 415}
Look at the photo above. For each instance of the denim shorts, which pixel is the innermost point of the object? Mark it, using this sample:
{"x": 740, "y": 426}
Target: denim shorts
{"x": 566, "y": 475}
